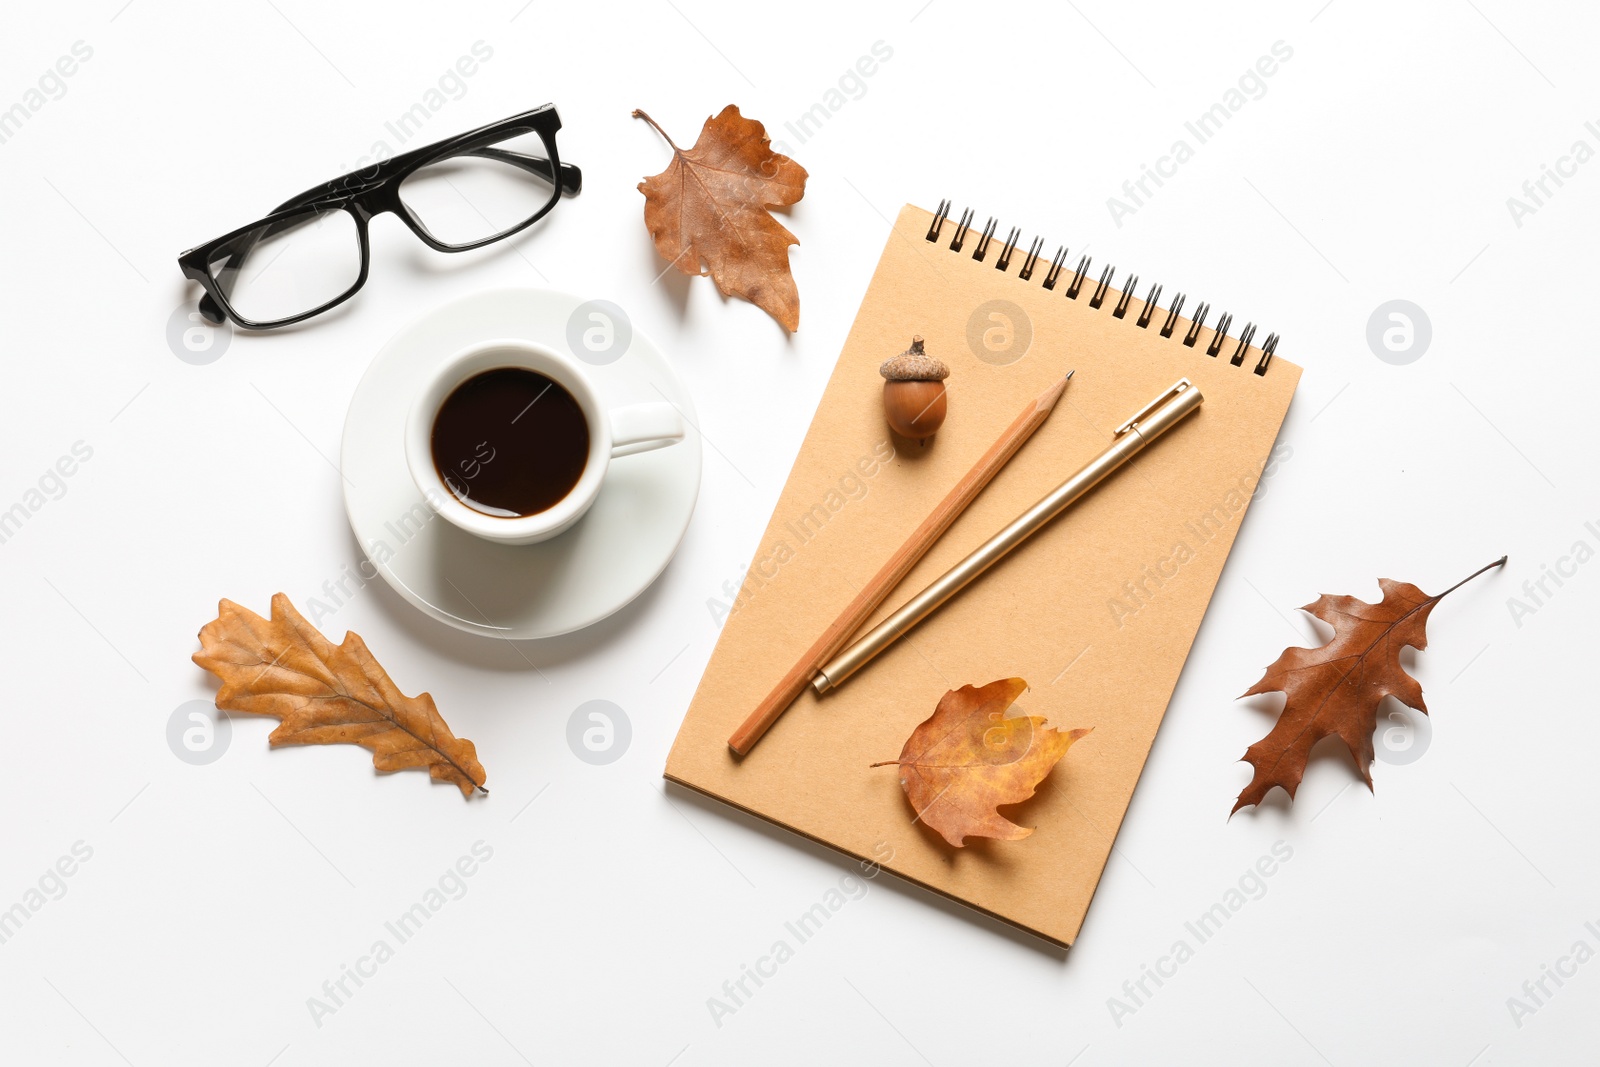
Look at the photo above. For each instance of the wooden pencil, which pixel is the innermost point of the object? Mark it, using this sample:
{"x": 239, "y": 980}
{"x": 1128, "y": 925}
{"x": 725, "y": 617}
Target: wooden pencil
{"x": 836, "y": 636}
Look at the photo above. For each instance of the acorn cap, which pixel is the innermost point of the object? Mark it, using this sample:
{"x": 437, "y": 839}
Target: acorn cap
{"x": 914, "y": 365}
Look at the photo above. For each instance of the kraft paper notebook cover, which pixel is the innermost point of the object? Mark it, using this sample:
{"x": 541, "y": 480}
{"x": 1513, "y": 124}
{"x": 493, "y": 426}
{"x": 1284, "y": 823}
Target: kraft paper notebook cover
{"x": 1097, "y": 611}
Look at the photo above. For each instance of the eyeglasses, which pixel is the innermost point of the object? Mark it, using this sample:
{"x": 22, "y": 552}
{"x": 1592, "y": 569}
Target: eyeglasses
{"x": 311, "y": 252}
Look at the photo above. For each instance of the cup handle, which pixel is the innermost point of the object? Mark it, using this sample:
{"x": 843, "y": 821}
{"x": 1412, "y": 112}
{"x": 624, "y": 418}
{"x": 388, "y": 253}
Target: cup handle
{"x": 644, "y": 427}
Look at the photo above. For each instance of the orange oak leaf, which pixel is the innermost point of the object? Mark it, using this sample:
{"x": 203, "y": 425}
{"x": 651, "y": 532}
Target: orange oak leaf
{"x": 711, "y": 204}
{"x": 968, "y": 758}
{"x": 1336, "y": 689}
{"x": 327, "y": 694}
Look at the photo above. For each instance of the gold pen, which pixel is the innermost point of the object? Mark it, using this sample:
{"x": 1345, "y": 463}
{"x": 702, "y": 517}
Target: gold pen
{"x": 1155, "y": 419}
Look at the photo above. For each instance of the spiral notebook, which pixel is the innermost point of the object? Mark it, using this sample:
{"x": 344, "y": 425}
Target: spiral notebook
{"x": 1097, "y": 612}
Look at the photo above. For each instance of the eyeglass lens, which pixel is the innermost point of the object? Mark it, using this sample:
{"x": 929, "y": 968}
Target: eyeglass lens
{"x": 289, "y": 266}
{"x": 483, "y": 193}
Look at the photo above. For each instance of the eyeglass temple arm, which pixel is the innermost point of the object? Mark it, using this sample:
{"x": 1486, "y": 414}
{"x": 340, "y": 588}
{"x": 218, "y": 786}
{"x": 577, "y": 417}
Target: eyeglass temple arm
{"x": 571, "y": 176}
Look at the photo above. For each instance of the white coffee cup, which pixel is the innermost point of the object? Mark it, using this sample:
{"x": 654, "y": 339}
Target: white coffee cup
{"x": 613, "y": 432}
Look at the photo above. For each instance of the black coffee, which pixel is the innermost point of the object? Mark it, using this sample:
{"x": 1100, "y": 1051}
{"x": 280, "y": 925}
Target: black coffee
{"x": 510, "y": 442}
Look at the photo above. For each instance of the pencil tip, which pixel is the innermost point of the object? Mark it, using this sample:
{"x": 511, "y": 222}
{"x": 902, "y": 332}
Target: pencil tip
{"x": 1047, "y": 400}
{"x": 1070, "y": 373}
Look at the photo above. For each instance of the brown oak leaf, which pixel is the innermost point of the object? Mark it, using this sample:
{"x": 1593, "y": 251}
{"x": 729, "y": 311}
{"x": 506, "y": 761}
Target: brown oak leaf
{"x": 711, "y": 204}
{"x": 1336, "y": 689}
{"x": 327, "y": 694}
{"x": 968, "y": 758}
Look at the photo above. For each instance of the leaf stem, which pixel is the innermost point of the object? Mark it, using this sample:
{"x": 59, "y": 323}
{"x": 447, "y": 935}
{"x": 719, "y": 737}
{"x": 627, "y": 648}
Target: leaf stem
{"x": 639, "y": 114}
{"x": 884, "y": 763}
{"x": 1501, "y": 562}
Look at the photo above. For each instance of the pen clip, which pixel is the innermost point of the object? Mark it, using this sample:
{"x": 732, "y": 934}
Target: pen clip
{"x": 1155, "y": 405}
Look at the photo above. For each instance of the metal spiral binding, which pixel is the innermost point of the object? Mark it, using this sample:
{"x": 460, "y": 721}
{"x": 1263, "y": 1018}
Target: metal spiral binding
{"x": 1052, "y": 277}
{"x": 1100, "y": 290}
{"x": 983, "y": 241}
{"x": 1077, "y": 278}
{"x": 1005, "y": 252}
{"x": 1221, "y": 335}
{"x": 1033, "y": 258}
{"x": 1196, "y": 324}
{"x": 961, "y": 230}
{"x": 1172, "y": 315}
{"x": 1127, "y": 294}
{"x": 1055, "y": 268}
{"x": 1150, "y": 300}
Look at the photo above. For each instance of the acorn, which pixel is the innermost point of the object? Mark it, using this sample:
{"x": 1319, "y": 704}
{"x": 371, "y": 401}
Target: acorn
{"x": 913, "y": 392}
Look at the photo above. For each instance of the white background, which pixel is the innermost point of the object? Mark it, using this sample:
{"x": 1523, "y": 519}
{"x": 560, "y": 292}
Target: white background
{"x": 219, "y": 898}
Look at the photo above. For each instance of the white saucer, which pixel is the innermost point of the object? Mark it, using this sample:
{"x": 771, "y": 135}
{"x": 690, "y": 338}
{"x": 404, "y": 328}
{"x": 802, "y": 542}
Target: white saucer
{"x": 524, "y": 591}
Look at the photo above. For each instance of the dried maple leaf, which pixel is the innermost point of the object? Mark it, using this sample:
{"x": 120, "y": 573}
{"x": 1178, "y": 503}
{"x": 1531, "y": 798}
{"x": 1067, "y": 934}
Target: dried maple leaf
{"x": 1336, "y": 689}
{"x": 968, "y": 758}
{"x": 711, "y": 204}
{"x": 327, "y": 694}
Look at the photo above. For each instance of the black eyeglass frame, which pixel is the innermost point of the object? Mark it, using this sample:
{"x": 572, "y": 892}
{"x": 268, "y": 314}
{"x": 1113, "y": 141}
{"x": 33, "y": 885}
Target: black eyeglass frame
{"x": 374, "y": 190}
